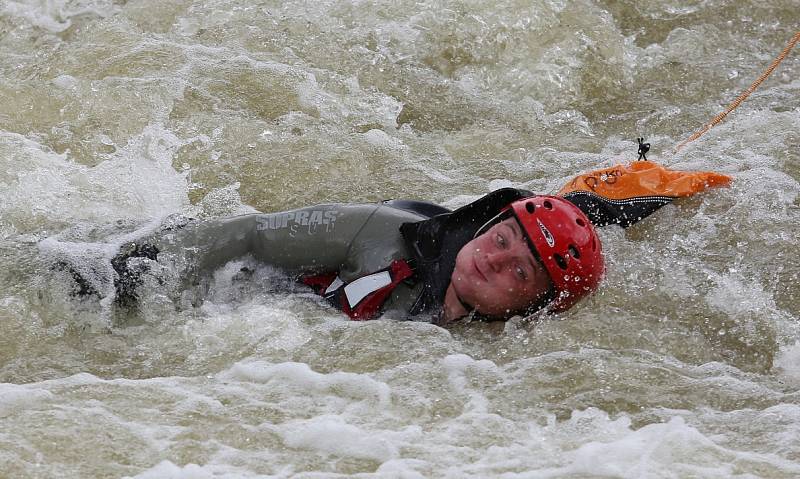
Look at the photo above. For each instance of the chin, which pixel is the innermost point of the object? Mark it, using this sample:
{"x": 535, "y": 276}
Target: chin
{"x": 464, "y": 290}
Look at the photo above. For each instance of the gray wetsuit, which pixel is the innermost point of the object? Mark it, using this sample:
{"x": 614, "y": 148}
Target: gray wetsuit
{"x": 351, "y": 240}
{"x": 355, "y": 243}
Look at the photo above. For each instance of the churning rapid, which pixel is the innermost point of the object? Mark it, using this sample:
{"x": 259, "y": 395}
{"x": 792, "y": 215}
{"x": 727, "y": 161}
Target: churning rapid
{"x": 115, "y": 114}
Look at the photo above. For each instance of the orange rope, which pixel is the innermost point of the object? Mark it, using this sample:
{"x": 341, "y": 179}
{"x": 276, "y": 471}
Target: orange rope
{"x": 717, "y": 119}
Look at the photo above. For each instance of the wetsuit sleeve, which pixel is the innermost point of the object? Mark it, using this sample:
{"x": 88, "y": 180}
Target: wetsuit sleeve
{"x": 305, "y": 240}
{"x": 348, "y": 240}
{"x": 377, "y": 243}
{"x": 315, "y": 239}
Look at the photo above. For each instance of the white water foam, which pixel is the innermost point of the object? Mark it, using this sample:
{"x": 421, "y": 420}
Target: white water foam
{"x": 300, "y": 378}
{"x": 42, "y": 189}
{"x": 788, "y": 362}
{"x": 56, "y": 15}
{"x": 14, "y": 398}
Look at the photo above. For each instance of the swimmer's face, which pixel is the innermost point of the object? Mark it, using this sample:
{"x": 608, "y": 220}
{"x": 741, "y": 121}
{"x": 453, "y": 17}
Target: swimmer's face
{"x": 497, "y": 274}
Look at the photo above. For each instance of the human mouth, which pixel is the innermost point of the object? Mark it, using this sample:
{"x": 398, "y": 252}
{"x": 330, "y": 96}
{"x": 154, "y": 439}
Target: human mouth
{"x": 478, "y": 271}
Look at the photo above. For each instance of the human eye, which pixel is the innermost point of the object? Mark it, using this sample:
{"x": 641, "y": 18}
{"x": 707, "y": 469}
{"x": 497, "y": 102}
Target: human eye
{"x": 521, "y": 273}
{"x": 501, "y": 240}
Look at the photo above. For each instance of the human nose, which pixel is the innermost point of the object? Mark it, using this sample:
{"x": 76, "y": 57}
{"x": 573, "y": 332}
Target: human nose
{"x": 497, "y": 260}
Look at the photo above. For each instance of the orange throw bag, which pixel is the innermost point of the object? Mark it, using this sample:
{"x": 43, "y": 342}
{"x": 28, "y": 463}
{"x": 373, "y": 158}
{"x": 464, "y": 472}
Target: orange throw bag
{"x": 625, "y": 194}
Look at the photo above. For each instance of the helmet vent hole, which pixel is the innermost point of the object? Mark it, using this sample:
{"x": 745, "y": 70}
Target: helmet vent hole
{"x": 580, "y": 222}
{"x": 548, "y": 205}
{"x": 560, "y": 261}
{"x": 530, "y": 206}
{"x": 573, "y": 251}
{"x": 594, "y": 245}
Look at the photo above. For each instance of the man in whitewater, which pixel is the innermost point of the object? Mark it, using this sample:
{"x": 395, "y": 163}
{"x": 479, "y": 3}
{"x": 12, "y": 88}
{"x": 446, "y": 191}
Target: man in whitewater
{"x": 509, "y": 252}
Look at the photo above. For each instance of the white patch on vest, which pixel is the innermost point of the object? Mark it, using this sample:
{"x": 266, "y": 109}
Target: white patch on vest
{"x": 360, "y": 288}
{"x": 547, "y": 235}
{"x": 336, "y": 284}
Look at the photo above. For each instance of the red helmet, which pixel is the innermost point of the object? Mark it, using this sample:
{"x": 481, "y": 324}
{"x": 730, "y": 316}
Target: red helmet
{"x": 566, "y": 243}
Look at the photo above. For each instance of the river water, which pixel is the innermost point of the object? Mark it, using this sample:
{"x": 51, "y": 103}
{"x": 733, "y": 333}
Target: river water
{"x": 115, "y": 114}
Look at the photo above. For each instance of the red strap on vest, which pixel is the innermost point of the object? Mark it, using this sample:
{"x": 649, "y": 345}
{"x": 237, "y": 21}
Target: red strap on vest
{"x": 370, "y": 305}
{"x": 320, "y": 282}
